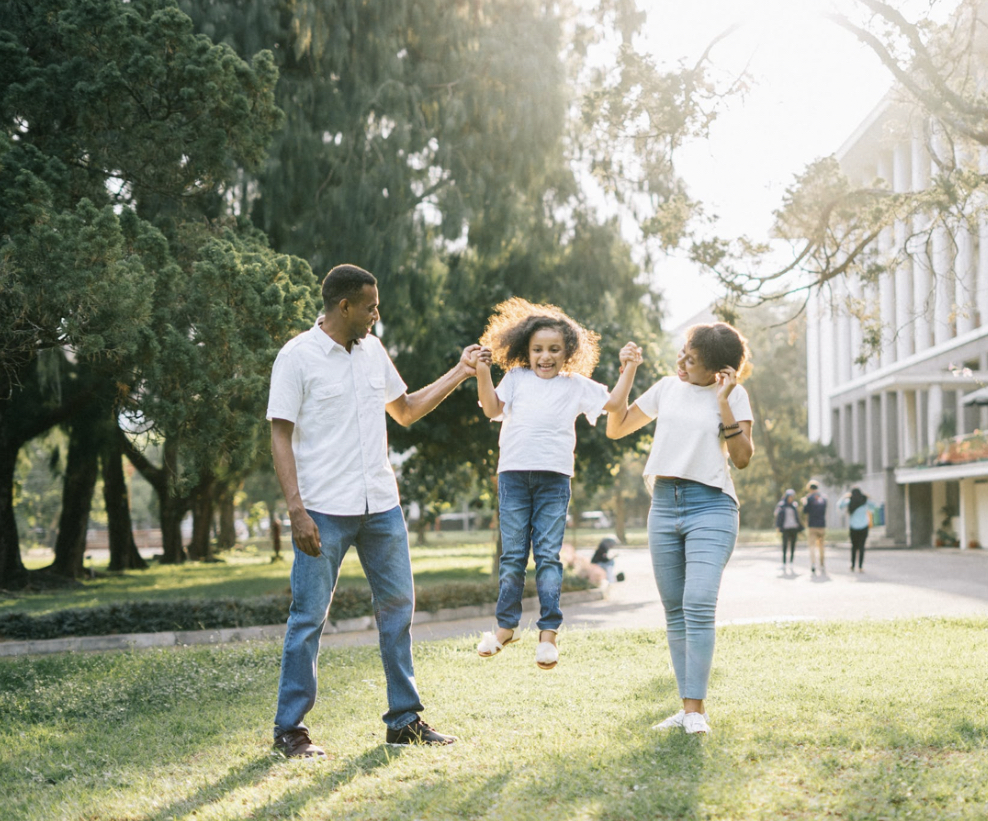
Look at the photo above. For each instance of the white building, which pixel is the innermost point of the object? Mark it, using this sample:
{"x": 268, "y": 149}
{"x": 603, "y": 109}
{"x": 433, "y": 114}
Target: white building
{"x": 898, "y": 413}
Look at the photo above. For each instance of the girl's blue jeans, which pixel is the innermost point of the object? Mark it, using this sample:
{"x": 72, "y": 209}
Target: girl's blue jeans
{"x": 382, "y": 546}
{"x": 692, "y": 530}
{"x": 532, "y": 511}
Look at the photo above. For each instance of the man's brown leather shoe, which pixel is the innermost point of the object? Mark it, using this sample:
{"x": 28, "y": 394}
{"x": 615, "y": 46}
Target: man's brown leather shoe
{"x": 297, "y": 744}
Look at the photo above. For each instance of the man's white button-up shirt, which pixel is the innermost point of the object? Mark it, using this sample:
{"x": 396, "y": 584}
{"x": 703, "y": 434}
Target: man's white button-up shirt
{"x": 336, "y": 401}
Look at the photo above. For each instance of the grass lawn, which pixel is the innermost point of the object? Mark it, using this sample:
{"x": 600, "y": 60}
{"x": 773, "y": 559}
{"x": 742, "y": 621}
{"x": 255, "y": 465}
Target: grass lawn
{"x": 858, "y": 721}
{"x": 243, "y": 574}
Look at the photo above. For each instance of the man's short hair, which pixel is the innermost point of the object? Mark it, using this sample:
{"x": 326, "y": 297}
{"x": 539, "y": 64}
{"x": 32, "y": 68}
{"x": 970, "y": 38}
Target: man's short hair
{"x": 345, "y": 282}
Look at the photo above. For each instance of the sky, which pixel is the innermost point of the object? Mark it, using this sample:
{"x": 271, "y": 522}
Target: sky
{"x": 812, "y": 85}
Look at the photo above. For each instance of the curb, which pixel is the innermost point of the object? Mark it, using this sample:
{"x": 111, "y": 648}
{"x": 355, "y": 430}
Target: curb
{"x": 271, "y": 632}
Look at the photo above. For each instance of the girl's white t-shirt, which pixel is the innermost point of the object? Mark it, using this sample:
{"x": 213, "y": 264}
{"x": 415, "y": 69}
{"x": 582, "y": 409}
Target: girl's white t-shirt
{"x": 538, "y": 423}
{"x": 687, "y": 442}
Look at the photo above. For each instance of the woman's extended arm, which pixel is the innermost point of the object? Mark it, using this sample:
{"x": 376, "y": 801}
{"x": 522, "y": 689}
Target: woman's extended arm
{"x": 622, "y": 420}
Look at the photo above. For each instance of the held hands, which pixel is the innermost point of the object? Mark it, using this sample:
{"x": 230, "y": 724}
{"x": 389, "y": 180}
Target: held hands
{"x": 630, "y": 354}
{"x": 470, "y": 357}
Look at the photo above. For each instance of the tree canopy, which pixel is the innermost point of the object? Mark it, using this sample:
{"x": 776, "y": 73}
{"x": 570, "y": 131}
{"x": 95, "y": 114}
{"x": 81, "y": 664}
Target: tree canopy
{"x": 832, "y": 221}
{"x": 122, "y": 129}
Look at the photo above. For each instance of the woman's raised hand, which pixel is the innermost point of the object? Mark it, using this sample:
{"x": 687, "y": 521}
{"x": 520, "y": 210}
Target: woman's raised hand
{"x": 727, "y": 380}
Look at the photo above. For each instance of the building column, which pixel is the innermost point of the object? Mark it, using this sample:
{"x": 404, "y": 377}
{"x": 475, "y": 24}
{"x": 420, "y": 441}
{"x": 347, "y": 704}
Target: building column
{"x": 966, "y": 281}
{"x": 903, "y": 272}
{"x": 814, "y": 372}
{"x": 934, "y": 413}
{"x": 910, "y": 433}
{"x": 922, "y": 280}
{"x": 827, "y": 367}
{"x": 886, "y": 282}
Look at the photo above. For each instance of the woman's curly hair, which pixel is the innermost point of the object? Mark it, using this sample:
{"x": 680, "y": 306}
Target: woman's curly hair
{"x": 510, "y": 329}
{"x": 719, "y": 345}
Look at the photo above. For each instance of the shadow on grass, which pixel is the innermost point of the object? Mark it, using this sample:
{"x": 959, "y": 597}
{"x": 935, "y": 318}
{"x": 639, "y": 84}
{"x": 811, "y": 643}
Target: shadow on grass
{"x": 338, "y": 774}
{"x": 244, "y": 776}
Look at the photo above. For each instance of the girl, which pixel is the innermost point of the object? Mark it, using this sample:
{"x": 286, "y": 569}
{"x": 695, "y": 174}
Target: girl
{"x": 548, "y": 358}
{"x": 702, "y": 417}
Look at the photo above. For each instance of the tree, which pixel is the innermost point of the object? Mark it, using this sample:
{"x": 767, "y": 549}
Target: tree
{"x": 435, "y": 144}
{"x": 784, "y": 456}
{"x": 121, "y": 128}
{"x": 832, "y": 223}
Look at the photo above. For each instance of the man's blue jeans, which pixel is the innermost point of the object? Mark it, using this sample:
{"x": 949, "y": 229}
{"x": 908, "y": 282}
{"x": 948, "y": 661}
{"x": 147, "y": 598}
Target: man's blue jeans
{"x": 532, "y": 507}
{"x": 692, "y": 530}
{"x": 382, "y": 545}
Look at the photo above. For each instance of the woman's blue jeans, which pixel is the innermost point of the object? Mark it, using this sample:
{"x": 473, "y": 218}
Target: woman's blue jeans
{"x": 382, "y": 546}
{"x": 692, "y": 530}
{"x": 532, "y": 506}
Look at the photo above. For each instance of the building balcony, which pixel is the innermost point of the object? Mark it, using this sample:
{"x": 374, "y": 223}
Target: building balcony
{"x": 957, "y": 450}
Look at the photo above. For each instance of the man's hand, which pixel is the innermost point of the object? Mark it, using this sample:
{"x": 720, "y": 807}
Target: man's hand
{"x": 469, "y": 358}
{"x": 306, "y": 534}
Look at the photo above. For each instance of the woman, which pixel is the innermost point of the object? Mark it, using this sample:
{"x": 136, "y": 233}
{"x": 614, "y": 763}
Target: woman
{"x": 703, "y": 416}
{"x": 857, "y": 505}
{"x": 788, "y": 524}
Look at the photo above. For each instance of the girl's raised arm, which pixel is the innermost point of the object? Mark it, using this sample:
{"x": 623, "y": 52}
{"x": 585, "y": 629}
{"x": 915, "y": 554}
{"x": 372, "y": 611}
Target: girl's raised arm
{"x": 622, "y": 420}
{"x": 489, "y": 401}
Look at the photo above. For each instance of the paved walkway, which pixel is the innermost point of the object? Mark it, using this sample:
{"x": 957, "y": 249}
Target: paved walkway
{"x": 896, "y": 583}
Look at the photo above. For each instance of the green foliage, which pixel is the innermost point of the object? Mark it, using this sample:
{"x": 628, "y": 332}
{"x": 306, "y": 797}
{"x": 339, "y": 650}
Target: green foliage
{"x": 123, "y": 132}
{"x": 214, "y": 613}
{"x": 784, "y": 457}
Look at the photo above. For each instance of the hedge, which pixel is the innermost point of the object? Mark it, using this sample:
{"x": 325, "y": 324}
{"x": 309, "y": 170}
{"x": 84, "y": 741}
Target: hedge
{"x": 211, "y": 614}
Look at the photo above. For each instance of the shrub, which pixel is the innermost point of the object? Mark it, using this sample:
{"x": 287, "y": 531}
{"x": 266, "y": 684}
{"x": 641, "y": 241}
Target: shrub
{"x": 212, "y": 614}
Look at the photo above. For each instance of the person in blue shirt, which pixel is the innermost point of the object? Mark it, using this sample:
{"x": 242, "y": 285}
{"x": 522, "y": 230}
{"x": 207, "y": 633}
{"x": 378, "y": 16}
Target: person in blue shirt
{"x": 858, "y": 506}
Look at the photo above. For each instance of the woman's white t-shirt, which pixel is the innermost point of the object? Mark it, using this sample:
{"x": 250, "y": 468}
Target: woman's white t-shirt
{"x": 687, "y": 442}
{"x": 538, "y": 430}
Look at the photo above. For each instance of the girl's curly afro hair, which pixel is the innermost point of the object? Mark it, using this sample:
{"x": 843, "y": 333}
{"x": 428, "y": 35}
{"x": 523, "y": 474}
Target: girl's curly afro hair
{"x": 513, "y": 322}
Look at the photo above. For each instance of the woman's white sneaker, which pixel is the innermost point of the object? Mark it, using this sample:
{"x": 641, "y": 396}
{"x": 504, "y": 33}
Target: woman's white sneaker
{"x": 674, "y": 721}
{"x": 696, "y": 724}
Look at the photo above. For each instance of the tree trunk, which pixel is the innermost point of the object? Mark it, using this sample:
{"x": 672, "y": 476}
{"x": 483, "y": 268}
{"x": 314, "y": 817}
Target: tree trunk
{"x": 619, "y": 514}
{"x": 171, "y": 507}
{"x": 201, "y": 546}
{"x": 13, "y": 574}
{"x": 228, "y": 532}
{"x": 81, "y": 470}
{"x": 123, "y": 550}
{"x": 421, "y": 529}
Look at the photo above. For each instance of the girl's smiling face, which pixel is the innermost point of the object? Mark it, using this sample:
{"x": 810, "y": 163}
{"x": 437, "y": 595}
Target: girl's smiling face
{"x": 547, "y": 352}
{"x": 690, "y": 368}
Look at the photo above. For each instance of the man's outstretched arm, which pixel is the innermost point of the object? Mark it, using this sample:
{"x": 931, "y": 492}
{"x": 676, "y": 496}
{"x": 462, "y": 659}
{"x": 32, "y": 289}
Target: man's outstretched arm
{"x": 410, "y": 407}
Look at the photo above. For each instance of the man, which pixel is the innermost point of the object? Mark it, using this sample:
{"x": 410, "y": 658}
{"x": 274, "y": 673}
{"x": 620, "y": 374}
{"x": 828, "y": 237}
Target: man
{"x": 330, "y": 389}
{"x": 815, "y": 509}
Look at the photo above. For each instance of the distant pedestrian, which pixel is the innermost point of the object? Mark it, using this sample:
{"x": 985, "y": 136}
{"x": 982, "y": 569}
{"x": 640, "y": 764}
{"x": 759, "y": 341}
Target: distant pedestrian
{"x": 815, "y": 509}
{"x": 858, "y": 506}
{"x": 788, "y": 524}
